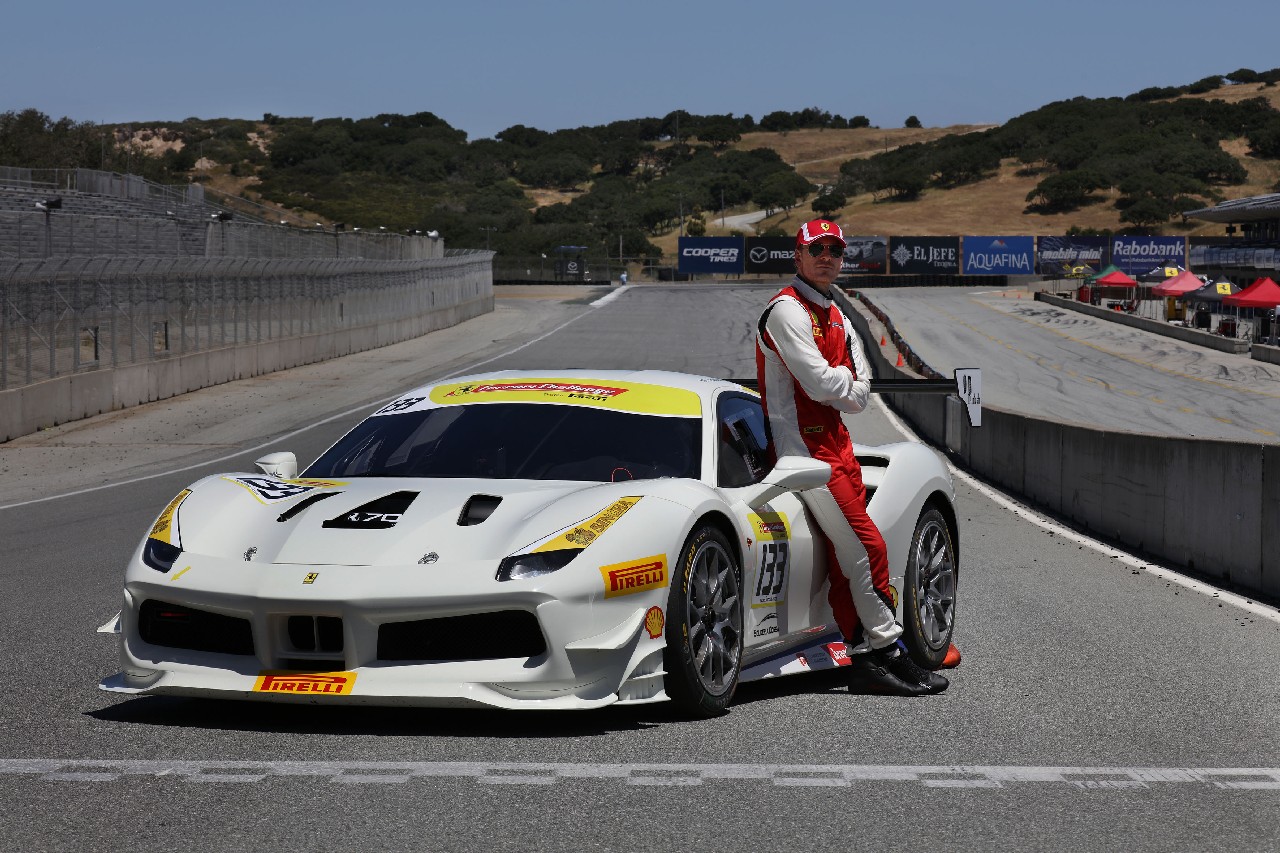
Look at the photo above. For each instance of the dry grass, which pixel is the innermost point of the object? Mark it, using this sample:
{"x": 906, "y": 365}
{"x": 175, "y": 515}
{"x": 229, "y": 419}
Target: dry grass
{"x": 817, "y": 154}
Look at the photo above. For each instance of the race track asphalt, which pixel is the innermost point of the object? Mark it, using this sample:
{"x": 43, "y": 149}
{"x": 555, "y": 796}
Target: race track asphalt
{"x": 1098, "y": 706}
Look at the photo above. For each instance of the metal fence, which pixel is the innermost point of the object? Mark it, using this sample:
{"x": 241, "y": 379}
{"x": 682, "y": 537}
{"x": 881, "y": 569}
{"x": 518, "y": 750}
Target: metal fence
{"x": 60, "y": 316}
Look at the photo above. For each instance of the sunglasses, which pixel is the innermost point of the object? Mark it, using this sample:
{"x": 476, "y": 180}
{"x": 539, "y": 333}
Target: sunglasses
{"x": 816, "y": 250}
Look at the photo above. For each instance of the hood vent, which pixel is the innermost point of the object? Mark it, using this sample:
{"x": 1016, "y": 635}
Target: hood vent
{"x": 379, "y": 514}
{"x": 477, "y": 509}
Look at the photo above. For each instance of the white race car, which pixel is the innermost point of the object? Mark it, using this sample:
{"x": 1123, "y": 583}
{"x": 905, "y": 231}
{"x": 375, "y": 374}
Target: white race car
{"x": 524, "y": 540}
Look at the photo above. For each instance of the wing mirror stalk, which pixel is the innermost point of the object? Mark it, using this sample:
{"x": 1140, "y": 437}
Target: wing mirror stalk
{"x": 283, "y": 465}
{"x": 791, "y": 474}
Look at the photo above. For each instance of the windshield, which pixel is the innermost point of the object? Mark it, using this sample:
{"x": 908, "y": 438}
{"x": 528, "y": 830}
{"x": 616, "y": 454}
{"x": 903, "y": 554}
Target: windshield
{"x": 517, "y": 441}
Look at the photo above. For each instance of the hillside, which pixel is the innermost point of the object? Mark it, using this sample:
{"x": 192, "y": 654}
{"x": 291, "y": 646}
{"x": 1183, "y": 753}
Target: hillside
{"x": 1102, "y": 164}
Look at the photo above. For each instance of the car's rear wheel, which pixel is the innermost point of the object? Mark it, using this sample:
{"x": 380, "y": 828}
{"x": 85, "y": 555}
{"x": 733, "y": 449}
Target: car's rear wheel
{"x": 929, "y": 594}
{"x": 704, "y": 634}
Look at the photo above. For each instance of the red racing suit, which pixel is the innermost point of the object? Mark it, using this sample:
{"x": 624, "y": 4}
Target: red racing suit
{"x": 811, "y": 368}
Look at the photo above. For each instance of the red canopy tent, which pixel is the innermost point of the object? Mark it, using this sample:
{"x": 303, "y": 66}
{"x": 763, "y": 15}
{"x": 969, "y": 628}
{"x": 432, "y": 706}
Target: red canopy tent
{"x": 1114, "y": 279}
{"x": 1183, "y": 282}
{"x": 1263, "y": 293}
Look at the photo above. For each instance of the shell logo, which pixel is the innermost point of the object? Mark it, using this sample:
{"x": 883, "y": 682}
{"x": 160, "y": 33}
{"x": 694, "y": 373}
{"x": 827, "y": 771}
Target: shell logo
{"x": 654, "y": 622}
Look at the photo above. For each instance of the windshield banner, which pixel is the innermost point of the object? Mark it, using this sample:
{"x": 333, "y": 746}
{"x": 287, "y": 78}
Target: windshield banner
{"x": 711, "y": 254}
{"x": 1137, "y": 255}
{"x": 864, "y": 255}
{"x": 999, "y": 255}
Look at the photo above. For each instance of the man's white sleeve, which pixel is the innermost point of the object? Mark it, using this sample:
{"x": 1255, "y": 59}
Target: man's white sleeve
{"x": 791, "y": 329}
{"x": 857, "y": 400}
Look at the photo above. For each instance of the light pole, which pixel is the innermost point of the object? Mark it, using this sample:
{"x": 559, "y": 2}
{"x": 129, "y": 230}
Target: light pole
{"x": 487, "y": 229}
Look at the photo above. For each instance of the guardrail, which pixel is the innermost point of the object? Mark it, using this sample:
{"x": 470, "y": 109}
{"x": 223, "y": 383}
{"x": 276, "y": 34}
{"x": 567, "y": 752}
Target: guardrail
{"x": 1206, "y": 506}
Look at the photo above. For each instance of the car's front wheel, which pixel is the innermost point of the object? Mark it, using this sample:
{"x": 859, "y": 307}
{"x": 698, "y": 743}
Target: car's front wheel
{"x": 704, "y": 634}
{"x": 929, "y": 593}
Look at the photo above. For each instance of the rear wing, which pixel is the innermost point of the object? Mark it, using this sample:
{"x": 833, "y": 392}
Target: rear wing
{"x": 966, "y": 384}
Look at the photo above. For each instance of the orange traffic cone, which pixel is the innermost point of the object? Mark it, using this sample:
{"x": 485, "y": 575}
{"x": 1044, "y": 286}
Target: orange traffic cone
{"x": 953, "y": 657}
{"x": 882, "y": 339}
{"x": 900, "y": 364}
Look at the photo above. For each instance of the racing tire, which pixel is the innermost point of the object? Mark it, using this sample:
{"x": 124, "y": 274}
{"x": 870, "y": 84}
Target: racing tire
{"x": 703, "y": 658}
{"x": 929, "y": 591}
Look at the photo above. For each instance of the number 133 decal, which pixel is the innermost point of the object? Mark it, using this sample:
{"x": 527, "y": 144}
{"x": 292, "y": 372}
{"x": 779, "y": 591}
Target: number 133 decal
{"x": 771, "y": 577}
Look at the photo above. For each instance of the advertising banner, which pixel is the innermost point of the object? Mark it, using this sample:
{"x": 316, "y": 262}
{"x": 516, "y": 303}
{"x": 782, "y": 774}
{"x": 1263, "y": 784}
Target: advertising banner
{"x": 1137, "y": 255}
{"x": 924, "y": 255}
{"x": 1066, "y": 257}
{"x": 771, "y": 255}
{"x": 999, "y": 255}
{"x": 711, "y": 254}
{"x": 864, "y": 255}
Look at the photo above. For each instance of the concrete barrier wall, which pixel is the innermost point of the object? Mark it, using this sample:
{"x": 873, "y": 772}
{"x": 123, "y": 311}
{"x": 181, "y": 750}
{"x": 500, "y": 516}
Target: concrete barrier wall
{"x": 1146, "y": 324}
{"x": 1210, "y": 507}
{"x": 371, "y": 318}
{"x": 1265, "y": 352}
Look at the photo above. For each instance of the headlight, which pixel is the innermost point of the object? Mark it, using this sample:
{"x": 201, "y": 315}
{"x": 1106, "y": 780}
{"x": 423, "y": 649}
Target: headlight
{"x": 160, "y": 555}
{"x": 522, "y": 566}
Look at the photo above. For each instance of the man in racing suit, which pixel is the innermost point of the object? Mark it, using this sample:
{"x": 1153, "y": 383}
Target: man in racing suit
{"x": 810, "y": 368}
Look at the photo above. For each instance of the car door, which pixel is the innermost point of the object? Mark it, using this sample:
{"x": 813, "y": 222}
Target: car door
{"x": 784, "y": 579}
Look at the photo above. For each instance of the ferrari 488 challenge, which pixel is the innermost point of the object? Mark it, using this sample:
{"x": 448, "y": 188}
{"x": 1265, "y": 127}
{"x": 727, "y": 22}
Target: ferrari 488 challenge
{"x": 524, "y": 540}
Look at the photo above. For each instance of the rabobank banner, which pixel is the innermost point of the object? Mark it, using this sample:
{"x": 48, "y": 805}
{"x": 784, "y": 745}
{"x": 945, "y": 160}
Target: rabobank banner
{"x": 710, "y": 254}
{"x": 1137, "y": 255}
{"x": 771, "y": 255}
{"x": 1066, "y": 256}
{"x": 999, "y": 255}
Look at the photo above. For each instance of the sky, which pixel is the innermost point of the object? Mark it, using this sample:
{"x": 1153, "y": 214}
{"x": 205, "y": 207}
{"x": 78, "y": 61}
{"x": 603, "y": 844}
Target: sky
{"x": 486, "y": 66}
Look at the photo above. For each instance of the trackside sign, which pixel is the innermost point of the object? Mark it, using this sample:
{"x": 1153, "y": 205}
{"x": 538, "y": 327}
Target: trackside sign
{"x": 772, "y": 255}
{"x": 1137, "y": 255}
{"x": 999, "y": 255}
{"x": 711, "y": 255}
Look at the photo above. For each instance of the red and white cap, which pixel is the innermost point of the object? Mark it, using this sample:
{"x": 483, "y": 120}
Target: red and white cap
{"x": 816, "y": 229}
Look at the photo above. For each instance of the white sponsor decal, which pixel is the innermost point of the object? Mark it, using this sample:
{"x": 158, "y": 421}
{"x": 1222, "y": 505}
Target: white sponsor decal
{"x": 270, "y": 490}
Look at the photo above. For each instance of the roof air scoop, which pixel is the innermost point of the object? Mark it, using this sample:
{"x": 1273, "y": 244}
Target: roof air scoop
{"x": 477, "y": 509}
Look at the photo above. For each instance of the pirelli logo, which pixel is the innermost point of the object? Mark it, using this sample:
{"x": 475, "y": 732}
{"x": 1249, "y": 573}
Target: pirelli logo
{"x": 634, "y": 576}
{"x": 305, "y": 683}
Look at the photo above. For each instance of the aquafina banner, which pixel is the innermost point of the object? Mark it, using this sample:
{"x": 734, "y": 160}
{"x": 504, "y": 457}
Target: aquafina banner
{"x": 999, "y": 255}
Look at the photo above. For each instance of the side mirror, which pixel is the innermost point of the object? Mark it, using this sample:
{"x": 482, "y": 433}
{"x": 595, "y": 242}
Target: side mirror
{"x": 791, "y": 474}
{"x": 283, "y": 465}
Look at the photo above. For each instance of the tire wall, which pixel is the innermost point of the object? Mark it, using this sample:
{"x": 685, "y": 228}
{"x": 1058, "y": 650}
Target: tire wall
{"x": 1208, "y": 506}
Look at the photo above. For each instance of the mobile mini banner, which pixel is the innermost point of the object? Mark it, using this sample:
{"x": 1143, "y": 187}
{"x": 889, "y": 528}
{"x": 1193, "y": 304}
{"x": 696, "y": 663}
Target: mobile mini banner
{"x": 924, "y": 255}
{"x": 864, "y": 255}
{"x": 1138, "y": 255}
{"x": 711, "y": 255}
{"x": 1065, "y": 256}
{"x": 771, "y": 255}
{"x": 999, "y": 255}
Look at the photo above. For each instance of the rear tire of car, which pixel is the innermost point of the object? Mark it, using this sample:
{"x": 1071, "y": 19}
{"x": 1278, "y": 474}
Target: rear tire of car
{"x": 929, "y": 593}
{"x": 703, "y": 657}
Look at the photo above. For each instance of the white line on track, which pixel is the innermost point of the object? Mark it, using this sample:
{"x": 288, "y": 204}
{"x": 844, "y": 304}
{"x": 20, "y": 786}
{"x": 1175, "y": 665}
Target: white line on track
{"x": 533, "y": 773}
{"x": 605, "y": 300}
{"x": 287, "y": 436}
{"x": 1247, "y": 604}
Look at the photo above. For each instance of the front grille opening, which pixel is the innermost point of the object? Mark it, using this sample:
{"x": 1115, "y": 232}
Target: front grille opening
{"x": 315, "y": 633}
{"x": 179, "y": 627}
{"x": 476, "y": 636}
{"x": 313, "y": 664}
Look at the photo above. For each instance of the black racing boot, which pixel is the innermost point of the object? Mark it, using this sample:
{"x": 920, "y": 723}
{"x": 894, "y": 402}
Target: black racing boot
{"x": 912, "y": 673}
{"x": 873, "y": 672}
